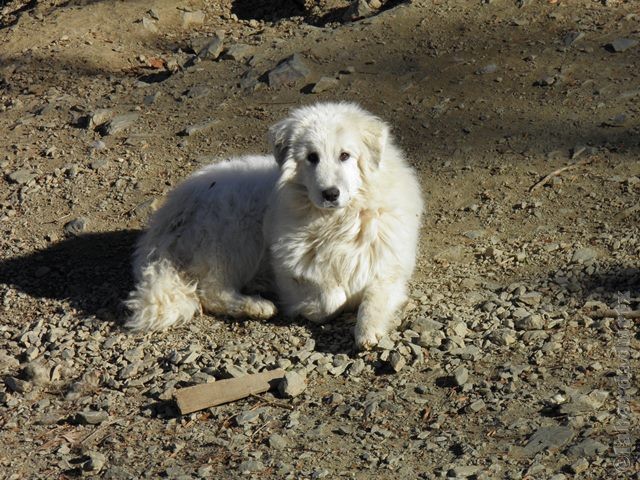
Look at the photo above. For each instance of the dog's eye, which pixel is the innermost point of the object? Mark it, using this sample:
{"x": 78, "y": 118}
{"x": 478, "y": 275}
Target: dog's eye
{"x": 313, "y": 158}
{"x": 344, "y": 156}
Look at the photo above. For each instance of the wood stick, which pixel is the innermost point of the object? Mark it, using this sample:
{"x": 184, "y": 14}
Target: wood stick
{"x": 557, "y": 172}
{"x": 192, "y": 399}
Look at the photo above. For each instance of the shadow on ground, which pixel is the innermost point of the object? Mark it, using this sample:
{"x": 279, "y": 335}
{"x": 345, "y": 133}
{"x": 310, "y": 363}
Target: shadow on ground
{"x": 92, "y": 272}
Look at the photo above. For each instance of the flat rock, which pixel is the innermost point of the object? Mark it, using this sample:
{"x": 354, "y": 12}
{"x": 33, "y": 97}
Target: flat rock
{"x": 547, "y": 438}
{"x": 584, "y": 255}
{"x": 21, "y": 177}
{"x": 490, "y": 68}
{"x": 572, "y": 37}
{"x": 92, "y": 417}
{"x": 396, "y": 361}
{"x": 288, "y": 71}
{"x": 119, "y": 123}
{"x": 293, "y": 384}
{"x": 587, "y": 448}
{"x": 622, "y": 44}
{"x": 324, "y": 84}
{"x": 192, "y": 18}
{"x": 198, "y": 127}
{"x": 212, "y": 48}
{"x": 250, "y": 466}
{"x": 460, "y": 376}
{"x": 238, "y": 52}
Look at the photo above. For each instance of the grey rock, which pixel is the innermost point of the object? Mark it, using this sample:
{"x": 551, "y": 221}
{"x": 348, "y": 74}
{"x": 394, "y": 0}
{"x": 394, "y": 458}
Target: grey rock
{"x": 476, "y": 406}
{"x": 7, "y": 362}
{"x": 238, "y": 52}
{"x": 571, "y": 38}
{"x": 503, "y": 337}
{"x": 97, "y": 118}
{"x": 424, "y": 324}
{"x": 490, "y": 68}
{"x": 530, "y": 322}
{"x": 463, "y": 471}
{"x": 199, "y": 127}
{"x": 324, "y": 84}
{"x": 587, "y": 448}
{"x": 152, "y": 98}
{"x": 75, "y": 226}
{"x": 119, "y": 123}
{"x": 293, "y": 384}
{"x": 288, "y": 71}
{"x": 212, "y": 48}
{"x": 579, "y": 466}
{"x": 357, "y": 367}
{"x": 247, "y": 417}
{"x": 21, "y": 177}
{"x": 98, "y": 163}
{"x": 95, "y": 462}
{"x": 357, "y": 10}
{"x": 460, "y": 376}
{"x": 17, "y": 385}
{"x": 396, "y": 361}
{"x": 432, "y": 338}
{"x": 192, "y": 18}
{"x": 277, "y": 442}
{"x": 149, "y": 24}
{"x": 385, "y": 343}
{"x": 548, "y": 438}
{"x": 251, "y": 466}
{"x": 622, "y": 44}
{"x": 92, "y": 417}
{"x": 197, "y": 91}
{"x": 584, "y": 403}
{"x": 584, "y": 255}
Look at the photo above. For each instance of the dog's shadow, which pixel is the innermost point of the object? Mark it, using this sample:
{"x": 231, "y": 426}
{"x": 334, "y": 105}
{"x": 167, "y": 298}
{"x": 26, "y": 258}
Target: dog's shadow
{"x": 92, "y": 273}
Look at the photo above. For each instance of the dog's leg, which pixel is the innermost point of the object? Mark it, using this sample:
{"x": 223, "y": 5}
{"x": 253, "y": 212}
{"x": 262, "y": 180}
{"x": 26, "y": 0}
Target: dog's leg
{"x": 236, "y": 304}
{"x": 376, "y": 313}
{"x": 318, "y": 306}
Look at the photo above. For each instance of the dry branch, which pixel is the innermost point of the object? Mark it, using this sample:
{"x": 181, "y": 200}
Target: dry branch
{"x": 196, "y": 398}
{"x": 558, "y": 171}
{"x": 610, "y": 313}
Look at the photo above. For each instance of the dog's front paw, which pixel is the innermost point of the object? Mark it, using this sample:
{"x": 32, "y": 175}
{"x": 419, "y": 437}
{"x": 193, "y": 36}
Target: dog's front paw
{"x": 261, "y": 309}
{"x": 367, "y": 337}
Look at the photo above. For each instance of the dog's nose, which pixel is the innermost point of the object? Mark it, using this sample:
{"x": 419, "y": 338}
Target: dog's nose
{"x": 331, "y": 194}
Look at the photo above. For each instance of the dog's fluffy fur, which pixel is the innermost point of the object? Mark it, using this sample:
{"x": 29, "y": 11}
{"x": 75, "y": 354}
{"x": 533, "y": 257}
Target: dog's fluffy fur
{"x": 330, "y": 222}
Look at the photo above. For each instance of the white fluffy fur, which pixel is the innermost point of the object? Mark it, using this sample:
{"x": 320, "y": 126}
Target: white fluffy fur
{"x": 236, "y": 223}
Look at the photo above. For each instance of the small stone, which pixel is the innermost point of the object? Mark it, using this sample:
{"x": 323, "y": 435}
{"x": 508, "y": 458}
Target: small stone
{"x": 17, "y": 385}
{"x": 277, "y": 442}
{"x": 431, "y": 338}
{"x": 545, "y": 81}
{"x": 250, "y": 466}
{"x": 584, "y": 255}
{"x": 192, "y": 18}
{"x": 396, "y": 361}
{"x": 36, "y": 373}
{"x": 579, "y": 466}
{"x": 587, "y": 448}
{"x": 22, "y": 177}
{"x": 424, "y": 324}
{"x": 463, "y": 471}
{"x": 460, "y": 376}
{"x": 385, "y": 343}
{"x": 238, "y": 52}
{"x": 149, "y": 25}
{"x": 98, "y": 163}
{"x": 621, "y": 44}
{"x": 357, "y": 367}
{"x": 199, "y": 127}
{"x": 491, "y": 68}
{"x": 476, "y": 406}
{"x": 7, "y": 363}
{"x": 247, "y": 417}
{"x": 119, "y": 123}
{"x": 75, "y": 227}
{"x": 92, "y": 417}
{"x": 530, "y": 322}
{"x": 213, "y": 48}
{"x": 97, "y": 118}
{"x": 152, "y": 98}
{"x": 293, "y": 384}
{"x": 95, "y": 463}
{"x": 357, "y": 10}
{"x": 288, "y": 71}
{"x": 571, "y": 38}
{"x": 503, "y": 337}
{"x": 324, "y": 84}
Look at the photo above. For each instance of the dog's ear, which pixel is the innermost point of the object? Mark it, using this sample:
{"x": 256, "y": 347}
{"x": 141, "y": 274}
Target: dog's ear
{"x": 375, "y": 136}
{"x": 280, "y": 138}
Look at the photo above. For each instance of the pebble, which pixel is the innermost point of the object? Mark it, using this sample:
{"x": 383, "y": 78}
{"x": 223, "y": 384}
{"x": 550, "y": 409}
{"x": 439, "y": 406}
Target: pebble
{"x": 579, "y": 466}
{"x": 503, "y": 337}
{"x": 490, "y": 68}
{"x": 397, "y": 361}
{"x": 463, "y": 471}
{"x": 75, "y": 227}
{"x": 22, "y": 177}
{"x": 277, "y": 442}
{"x": 622, "y": 44}
{"x": 288, "y": 71}
{"x": 530, "y": 322}
{"x": 212, "y": 48}
{"x": 92, "y": 417}
{"x": 587, "y": 448}
{"x": 149, "y": 24}
{"x": 357, "y": 10}
{"x": 251, "y": 466}
{"x": 324, "y": 84}
{"x": 584, "y": 255}
{"x": 199, "y": 127}
{"x": 293, "y": 384}
{"x": 571, "y": 38}
{"x": 9, "y": 363}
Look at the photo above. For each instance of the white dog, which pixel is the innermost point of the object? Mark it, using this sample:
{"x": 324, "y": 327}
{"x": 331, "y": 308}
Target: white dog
{"x": 332, "y": 221}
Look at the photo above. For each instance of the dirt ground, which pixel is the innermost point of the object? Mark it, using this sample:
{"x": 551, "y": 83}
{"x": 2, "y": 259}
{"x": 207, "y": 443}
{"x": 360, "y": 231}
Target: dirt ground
{"x": 506, "y": 365}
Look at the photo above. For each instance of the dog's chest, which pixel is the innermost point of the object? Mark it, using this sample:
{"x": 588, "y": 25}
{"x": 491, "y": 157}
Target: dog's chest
{"x": 343, "y": 250}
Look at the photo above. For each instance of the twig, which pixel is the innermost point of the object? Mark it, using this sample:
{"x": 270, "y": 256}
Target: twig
{"x": 558, "y": 171}
{"x": 272, "y": 403}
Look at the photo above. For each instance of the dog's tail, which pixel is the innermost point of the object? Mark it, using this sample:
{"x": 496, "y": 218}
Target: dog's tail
{"x": 161, "y": 299}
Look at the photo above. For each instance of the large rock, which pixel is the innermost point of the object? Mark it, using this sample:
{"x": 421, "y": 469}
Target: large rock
{"x": 293, "y": 384}
{"x": 288, "y": 71}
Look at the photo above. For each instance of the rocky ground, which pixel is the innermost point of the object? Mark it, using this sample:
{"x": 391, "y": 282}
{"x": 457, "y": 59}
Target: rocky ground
{"x": 508, "y": 363}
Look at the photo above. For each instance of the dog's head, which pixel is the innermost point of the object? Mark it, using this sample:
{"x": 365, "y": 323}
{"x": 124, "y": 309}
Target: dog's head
{"x": 329, "y": 148}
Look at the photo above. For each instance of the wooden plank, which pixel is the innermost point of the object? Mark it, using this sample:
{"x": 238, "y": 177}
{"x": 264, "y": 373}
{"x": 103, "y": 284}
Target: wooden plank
{"x": 192, "y": 399}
